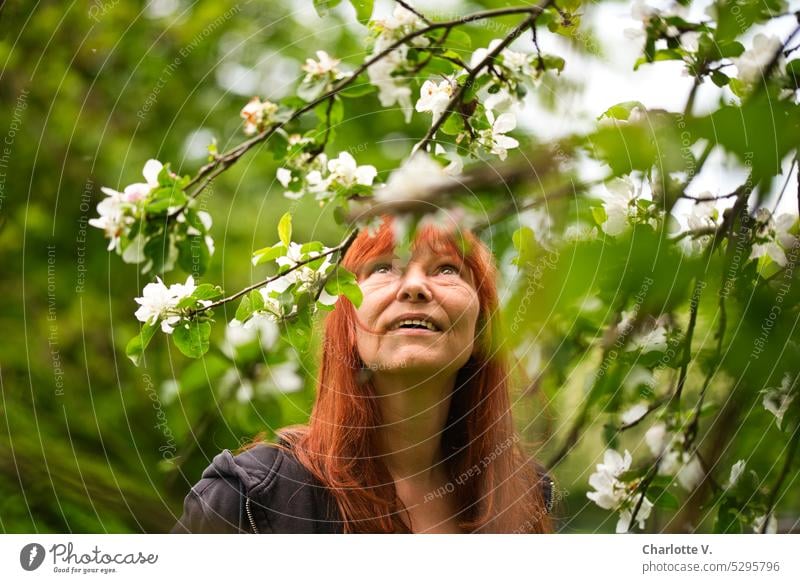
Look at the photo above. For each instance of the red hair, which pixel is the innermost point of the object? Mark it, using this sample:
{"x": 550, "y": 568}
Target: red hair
{"x": 496, "y": 486}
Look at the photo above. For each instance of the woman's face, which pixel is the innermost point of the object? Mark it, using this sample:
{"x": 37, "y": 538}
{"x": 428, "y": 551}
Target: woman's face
{"x": 436, "y": 288}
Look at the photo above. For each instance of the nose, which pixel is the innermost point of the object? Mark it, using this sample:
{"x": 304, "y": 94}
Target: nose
{"x": 414, "y": 286}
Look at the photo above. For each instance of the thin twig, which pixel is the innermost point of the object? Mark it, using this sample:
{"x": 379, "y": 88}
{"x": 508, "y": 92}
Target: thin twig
{"x": 223, "y": 161}
{"x": 414, "y": 10}
{"x": 343, "y": 246}
{"x": 487, "y": 60}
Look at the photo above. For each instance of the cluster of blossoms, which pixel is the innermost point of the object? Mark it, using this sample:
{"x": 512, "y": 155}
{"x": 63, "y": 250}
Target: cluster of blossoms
{"x": 258, "y": 115}
{"x": 777, "y": 399}
{"x": 326, "y": 178}
{"x": 434, "y": 97}
{"x": 161, "y": 303}
{"x": 506, "y": 79}
{"x": 695, "y": 40}
{"x": 306, "y": 279}
{"x": 320, "y": 76}
{"x": 119, "y": 210}
{"x": 386, "y": 74}
{"x": 162, "y": 192}
{"x": 675, "y": 461}
{"x": 611, "y": 493}
{"x": 512, "y": 70}
{"x": 623, "y": 206}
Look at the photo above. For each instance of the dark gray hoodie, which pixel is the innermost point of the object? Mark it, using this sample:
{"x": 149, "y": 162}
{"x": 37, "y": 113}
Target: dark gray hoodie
{"x": 265, "y": 490}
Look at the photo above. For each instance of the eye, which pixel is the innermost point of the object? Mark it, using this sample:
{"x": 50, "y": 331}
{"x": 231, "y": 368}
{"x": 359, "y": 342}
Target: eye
{"x": 451, "y": 267}
{"x": 379, "y": 267}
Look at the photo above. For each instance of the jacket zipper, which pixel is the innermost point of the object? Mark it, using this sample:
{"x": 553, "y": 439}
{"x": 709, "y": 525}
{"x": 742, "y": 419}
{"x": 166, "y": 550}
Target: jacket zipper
{"x": 250, "y": 515}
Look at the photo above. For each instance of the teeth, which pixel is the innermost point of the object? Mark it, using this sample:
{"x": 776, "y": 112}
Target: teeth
{"x": 428, "y": 325}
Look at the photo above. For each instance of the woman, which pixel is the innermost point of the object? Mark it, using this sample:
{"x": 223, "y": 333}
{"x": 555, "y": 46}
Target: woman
{"x": 411, "y": 430}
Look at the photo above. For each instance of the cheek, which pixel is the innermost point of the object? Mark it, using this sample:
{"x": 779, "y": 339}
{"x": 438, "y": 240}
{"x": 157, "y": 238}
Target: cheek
{"x": 463, "y": 306}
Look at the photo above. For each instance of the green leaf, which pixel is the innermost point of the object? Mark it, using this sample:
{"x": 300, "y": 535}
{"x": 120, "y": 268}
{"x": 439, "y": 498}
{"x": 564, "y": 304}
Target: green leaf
{"x": 622, "y": 110}
{"x": 599, "y": 215}
{"x": 193, "y": 255}
{"x": 285, "y": 229}
{"x": 207, "y": 291}
{"x": 363, "y": 9}
{"x": 136, "y": 346}
{"x": 164, "y": 176}
{"x": 161, "y": 199}
{"x": 720, "y": 79}
{"x": 663, "y": 499}
{"x": 245, "y": 310}
{"x": 256, "y": 300}
{"x": 343, "y": 282}
{"x": 453, "y": 125}
{"x": 460, "y": 41}
{"x": 553, "y": 62}
{"x": 268, "y": 254}
{"x": 192, "y": 338}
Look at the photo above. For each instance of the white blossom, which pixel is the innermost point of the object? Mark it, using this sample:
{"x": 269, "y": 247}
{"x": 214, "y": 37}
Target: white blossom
{"x": 772, "y": 524}
{"x": 494, "y": 138}
{"x": 158, "y": 302}
{"x": 500, "y": 101}
{"x": 283, "y": 377}
{"x": 391, "y": 89}
{"x": 736, "y": 472}
{"x": 414, "y": 180}
{"x": 634, "y": 413}
{"x": 134, "y": 193}
{"x": 612, "y": 494}
{"x": 114, "y": 217}
{"x": 690, "y": 473}
{"x": 456, "y": 165}
{"x": 778, "y": 238}
{"x": 117, "y": 211}
{"x": 402, "y": 18}
{"x": 620, "y": 194}
{"x": 751, "y": 63}
{"x": 284, "y": 176}
{"x": 609, "y": 491}
{"x": 625, "y": 515}
{"x": 344, "y": 170}
{"x": 257, "y": 114}
{"x": 324, "y": 65}
{"x": 383, "y": 73}
{"x": 777, "y": 400}
{"x": 258, "y": 327}
{"x": 686, "y": 467}
{"x": 434, "y": 97}
{"x": 704, "y": 213}
{"x": 513, "y": 60}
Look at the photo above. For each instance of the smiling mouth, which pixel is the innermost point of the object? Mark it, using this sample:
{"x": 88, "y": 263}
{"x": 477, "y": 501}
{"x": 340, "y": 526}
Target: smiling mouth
{"x": 414, "y": 325}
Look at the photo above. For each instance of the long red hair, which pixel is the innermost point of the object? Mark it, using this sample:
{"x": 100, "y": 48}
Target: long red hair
{"x": 496, "y": 485}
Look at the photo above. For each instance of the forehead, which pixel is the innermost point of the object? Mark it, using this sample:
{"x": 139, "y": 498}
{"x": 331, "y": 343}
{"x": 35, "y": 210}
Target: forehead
{"x": 429, "y": 241}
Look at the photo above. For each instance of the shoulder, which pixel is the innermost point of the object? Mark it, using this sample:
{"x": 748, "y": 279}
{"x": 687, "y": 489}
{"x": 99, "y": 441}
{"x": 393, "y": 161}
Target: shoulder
{"x": 217, "y": 502}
